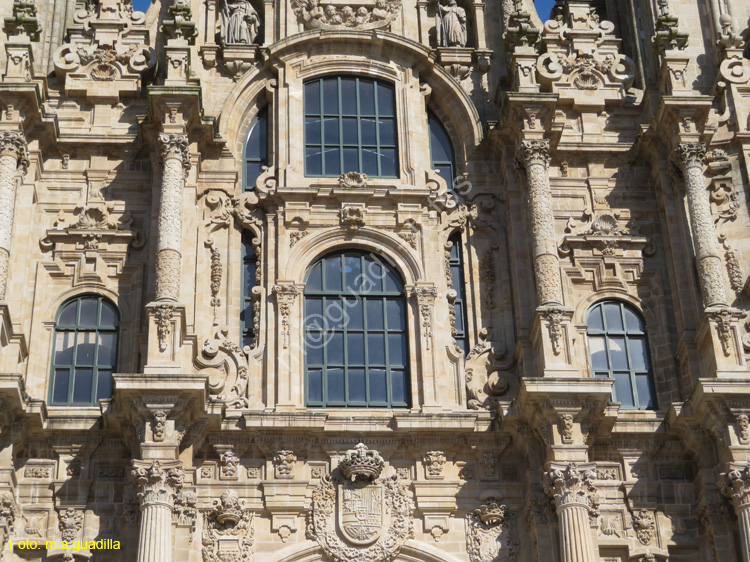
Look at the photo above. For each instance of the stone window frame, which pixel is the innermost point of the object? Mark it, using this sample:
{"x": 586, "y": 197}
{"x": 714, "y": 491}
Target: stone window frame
{"x": 627, "y": 334}
{"x": 77, "y": 328}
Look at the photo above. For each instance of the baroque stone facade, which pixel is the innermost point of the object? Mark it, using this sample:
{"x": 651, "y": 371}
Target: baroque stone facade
{"x": 595, "y": 162}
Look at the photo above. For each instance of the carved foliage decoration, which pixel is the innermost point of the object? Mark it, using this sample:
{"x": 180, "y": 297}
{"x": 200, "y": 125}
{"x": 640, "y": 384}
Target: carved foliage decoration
{"x": 491, "y": 534}
{"x": 157, "y": 482}
{"x": 567, "y": 485}
{"x": 70, "y": 523}
{"x": 361, "y": 521}
{"x": 644, "y": 524}
{"x": 7, "y": 515}
{"x": 362, "y": 14}
{"x": 228, "y": 532}
{"x": 229, "y": 361}
{"x": 484, "y": 385}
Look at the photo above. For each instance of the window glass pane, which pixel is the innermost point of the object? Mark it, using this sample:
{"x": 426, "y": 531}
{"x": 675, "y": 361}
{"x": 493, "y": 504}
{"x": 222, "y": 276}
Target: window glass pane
{"x": 623, "y": 390}
{"x": 312, "y": 98}
{"x": 313, "y": 162}
{"x": 82, "y": 385}
{"x": 598, "y": 353}
{"x": 315, "y": 343}
{"x": 396, "y": 315}
{"x": 617, "y": 353}
{"x": 351, "y": 159}
{"x": 104, "y": 385}
{"x": 333, "y": 161}
{"x": 440, "y": 145}
{"x": 388, "y": 132}
{"x": 369, "y": 133}
{"x": 357, "y": 385}
{"x": 355, "y": 314}
{"x": 375, "y": 273}
{"x": 335, "y": 349}
{"x": 370, "y": 162}
{"x": 459, "y": 310}
{"x": 313, "y": 314}
{"x": 613, "y": 317}
{"x": 397, "y": 349}
{"x": 633, "y": 321}
{"x": 330, "y": 96}
{"x": 333, "y": 273}
{"x": 646, "y": 400}
{"x": 252, "y": 171}
{"x": 349, "y": 127}
{"x": 336, "y": 387}
{"x": 353, "y": 272}
{"x": 334, "y": 314}
{"x": 109, "y": 315}
{"x": 312, "y": 130}
{"x": 366, "y": 97}
{"x": 315, "y": 386}
{"x": 331, "y": 130}
{"x": 315, "y": 278}
{"x": 85, "y": 348}
{"x": 68, "y": 315}
{"x": 595, "y": 319}
{"x": 375, "y": 314}
{"x": 89, "y": 312}
{"x": 638, "y": 354}
{"x": 60, "y": 390}
{"x": 107, "y": 349}
{"x": 356, "y": 348}
{"x": 349, "y": 96}
{"x": 256, "y": 140}
{"x": 386, "y": 106}
{"x": 378, "y": 385}
{"x": 392, "y": 284}
{"x": 388, "y": 162}
{"x": 398, "y": 386}
{"x": 446, "y": 172}
{"x": 64, "y": 348}
{"x": 376, "y": 349}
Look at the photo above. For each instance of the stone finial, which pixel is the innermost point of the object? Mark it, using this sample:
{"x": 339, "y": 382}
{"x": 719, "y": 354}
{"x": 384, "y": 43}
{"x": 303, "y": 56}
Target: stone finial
{"x": 361, "y": 463}
{"x": 668, "y": 36}
{"x": 24, "y": 22}
{"x": 521, "y": 31}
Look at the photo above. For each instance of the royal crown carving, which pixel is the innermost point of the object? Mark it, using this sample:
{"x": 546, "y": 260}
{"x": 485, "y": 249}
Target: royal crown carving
{"x": 361, "y": 463}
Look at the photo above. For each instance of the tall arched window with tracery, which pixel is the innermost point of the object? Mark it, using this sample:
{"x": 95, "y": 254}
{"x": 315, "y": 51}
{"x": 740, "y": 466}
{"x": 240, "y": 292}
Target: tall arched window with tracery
{"x": 356, "y": 347}
{"x": 618, "y": 349}
{"x": 84, "y": 353}
{"x": 256, "y": 157}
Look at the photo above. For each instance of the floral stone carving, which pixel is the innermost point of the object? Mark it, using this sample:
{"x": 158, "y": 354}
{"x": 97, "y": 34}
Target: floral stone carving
{"x": 491, "y": 534}
{"x": 228, "y": 532}
{"x": 361, "y": 15}
{"x": 361, "y": 520}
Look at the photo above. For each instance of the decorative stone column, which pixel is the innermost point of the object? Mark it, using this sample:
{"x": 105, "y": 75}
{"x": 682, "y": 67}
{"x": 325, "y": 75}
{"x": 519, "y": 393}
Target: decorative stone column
{"x": 14, "y": 156}
{"x": 175, "y": 161}
{"x": 535, "y": 158}
{"x": 157, "y": 484}
{"x": 735, "y": 485}
{"x": 691, "y": 156}
{"x": 7, "y": 517}
{"x": 575, "y": 499}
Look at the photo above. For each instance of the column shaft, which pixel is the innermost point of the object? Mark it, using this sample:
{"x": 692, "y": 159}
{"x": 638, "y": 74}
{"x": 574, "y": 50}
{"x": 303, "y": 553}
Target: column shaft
{"x": 13, "y": 152}
{"x": 155, "y": 534}
{"x": 744, "y": 524}
{"x": 575, "y": 535}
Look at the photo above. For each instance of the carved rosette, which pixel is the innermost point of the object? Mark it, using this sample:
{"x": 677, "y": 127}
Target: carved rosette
{"x": 157, "y": 482}
{"x": 568, "y": 486}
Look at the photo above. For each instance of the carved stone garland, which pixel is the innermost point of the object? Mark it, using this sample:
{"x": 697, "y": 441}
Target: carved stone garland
{"x": 491, "y": 534}
{"x": 14, "y": 157}
{"x": 336, "y": 521}
{"x": 360, "y": 15}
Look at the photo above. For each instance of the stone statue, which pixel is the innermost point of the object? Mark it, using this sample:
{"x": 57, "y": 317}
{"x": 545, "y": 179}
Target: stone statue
{"x": 453, "y": 20}
{"x": 240, "y": 24}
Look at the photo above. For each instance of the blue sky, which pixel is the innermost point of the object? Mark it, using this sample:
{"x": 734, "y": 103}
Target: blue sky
{"x": 544, "y": 7}
{"x": 141, "y": 5}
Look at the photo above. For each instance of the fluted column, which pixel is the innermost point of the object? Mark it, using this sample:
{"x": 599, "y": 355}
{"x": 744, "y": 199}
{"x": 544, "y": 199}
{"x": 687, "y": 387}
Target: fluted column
{"x": 175, "y": 161}
{"x": 535, "y": 157}
{"x": 158, "y": 484}
{"x": 575, "y": 499}
{"x": 735, "y": 485}
{"x": 691, "y": 156}
{"x": 13, "y": 156}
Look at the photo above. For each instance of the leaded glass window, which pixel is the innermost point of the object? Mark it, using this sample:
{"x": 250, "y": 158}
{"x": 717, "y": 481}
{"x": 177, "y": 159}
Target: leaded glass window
{"x": 350, "y": 126}
{"x": 356, "y": 348}
{"x": 441, "y": 151}
{"x": 618, "y": 349}
{"x": 84, "y": 353}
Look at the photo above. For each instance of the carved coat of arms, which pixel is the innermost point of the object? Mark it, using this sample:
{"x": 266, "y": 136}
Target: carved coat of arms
{"x": 490, "y": 534}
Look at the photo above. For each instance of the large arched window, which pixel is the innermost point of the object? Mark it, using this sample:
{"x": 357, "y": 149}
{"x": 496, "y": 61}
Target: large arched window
{"x": 442, "y": 156}
{"x": 618, "y": 347}
{"x": 350, "y": 126}
{"x": 356, "y": 349}
{"x": 85, "y": 352}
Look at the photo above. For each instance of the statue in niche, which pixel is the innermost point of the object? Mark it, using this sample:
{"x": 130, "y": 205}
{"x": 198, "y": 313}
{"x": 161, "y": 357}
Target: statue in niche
{"x": 453, "y": 22}
{"x": 240, "y": 23}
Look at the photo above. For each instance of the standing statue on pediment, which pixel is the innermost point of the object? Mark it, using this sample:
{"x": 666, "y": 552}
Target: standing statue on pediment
{"x": 453, "y": 20}
{"x": 240, "y": 23}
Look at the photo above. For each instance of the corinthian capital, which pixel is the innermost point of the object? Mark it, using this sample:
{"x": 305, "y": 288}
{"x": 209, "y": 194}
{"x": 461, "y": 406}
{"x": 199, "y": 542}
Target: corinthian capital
{"x": 157, "y": 482}
{"x": 174, "y": 146}
{"x": 567, "y": 485}
{"x": 535, "y": 152}
{"x": 690, "y": 154}
{"x": 735, "y": 485}
{"x": 14, "y": 143}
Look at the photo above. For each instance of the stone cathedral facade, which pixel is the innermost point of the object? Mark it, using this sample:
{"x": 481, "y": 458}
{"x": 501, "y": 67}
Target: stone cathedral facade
{"x": 381, "y": 281}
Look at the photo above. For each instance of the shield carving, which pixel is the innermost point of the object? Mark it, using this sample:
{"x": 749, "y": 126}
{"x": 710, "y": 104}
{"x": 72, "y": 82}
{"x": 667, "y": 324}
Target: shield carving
{"x": 361, "y": 511}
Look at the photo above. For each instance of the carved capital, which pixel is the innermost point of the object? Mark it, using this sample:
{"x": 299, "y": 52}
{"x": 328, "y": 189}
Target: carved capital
{"x": 735, "y": 485}
{"x": 14, "y": 143}
{"x": 174, "y": 146}
{"x": 690, "y": 154}
{"x": 157, "y": 482}
{"x": 535, "y": 152}
{"x": 569, "y": 486}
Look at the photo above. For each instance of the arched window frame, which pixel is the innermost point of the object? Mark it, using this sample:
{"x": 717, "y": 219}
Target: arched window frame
{"x": 321, "y": 318}
{"x": 325, "y": 133}
{"x": 439, "y": 134}
{"x": 256, "y": 149}
{"x": 638, "y": 377}
{"x": 101, "y": 372}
